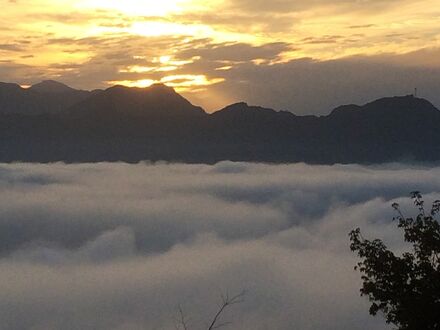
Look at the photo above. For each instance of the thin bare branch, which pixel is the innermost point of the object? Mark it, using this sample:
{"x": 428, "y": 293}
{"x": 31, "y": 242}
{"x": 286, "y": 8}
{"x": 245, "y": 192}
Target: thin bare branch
{"x": 181, "y": 321}
{"x": 221, "y": 325}
{"x": 226, "y": 302}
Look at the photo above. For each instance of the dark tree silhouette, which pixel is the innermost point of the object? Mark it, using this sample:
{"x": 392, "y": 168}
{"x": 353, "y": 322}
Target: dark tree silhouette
{"x": 181, "y": 322}
{"x": 405, "y": 288}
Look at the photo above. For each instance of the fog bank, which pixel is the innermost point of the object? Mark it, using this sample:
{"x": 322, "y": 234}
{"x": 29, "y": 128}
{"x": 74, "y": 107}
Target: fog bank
{"x": 119, "y": 246}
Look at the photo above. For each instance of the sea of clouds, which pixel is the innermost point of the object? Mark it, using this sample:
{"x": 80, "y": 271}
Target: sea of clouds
{"x": 119, "y": 246}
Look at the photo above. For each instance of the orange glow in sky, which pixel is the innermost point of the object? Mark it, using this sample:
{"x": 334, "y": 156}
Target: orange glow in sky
{"x": 192, "y": 43}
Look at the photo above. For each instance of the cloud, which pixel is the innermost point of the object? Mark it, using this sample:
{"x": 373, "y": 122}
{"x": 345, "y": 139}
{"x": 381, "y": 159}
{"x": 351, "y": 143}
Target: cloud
{"x": 308, "y": 86}
{"x": 255, "y": 74}
{"x": 10, "y": 71}
{"x": 236, "y": 52}
{"x": 118, "y": 246}
{"x": 88, "y": 44}
{"x": 282, "y": 6}
{"x": 271, "y": 53}
{"x": 11, "y": 47}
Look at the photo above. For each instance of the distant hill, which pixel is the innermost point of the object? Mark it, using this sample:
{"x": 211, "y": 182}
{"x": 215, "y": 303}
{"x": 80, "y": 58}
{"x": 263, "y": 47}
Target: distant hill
{"x": 45, "y": 97}
{"x": 156, "y": 123}
{"x": 155, "y": 101}
{"x": 51, "y": 87}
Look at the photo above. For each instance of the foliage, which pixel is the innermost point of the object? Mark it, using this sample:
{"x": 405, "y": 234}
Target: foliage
{"x": 405, "y": 288}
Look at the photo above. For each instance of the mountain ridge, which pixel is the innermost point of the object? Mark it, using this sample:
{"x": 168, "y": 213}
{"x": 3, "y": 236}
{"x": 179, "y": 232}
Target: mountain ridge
{"x": 156, "y": 123}
{"x": 46, "y": 97}
{"x": 54, "y": 87}
{"x": 50, "y": 86}
{"x": 156, "y": 100}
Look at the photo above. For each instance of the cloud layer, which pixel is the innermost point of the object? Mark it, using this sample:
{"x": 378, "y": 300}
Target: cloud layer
{"x": 118, "y": 246}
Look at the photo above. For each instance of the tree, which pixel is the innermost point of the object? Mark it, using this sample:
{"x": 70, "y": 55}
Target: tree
{"x": 181, "y": 322}
{"x": 405, "y": 287}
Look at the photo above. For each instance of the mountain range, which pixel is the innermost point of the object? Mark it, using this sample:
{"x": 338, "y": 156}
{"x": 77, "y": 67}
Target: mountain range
{"x": 52, "y": 122}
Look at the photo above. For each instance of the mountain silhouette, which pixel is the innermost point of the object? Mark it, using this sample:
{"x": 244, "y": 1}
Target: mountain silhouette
{"x": 388, "y": 129}
{"x": 51, "y": 86}
{"x": 155, "y": 101}
{"x": 156, "y": 123}
{"x": 42, "y": 98}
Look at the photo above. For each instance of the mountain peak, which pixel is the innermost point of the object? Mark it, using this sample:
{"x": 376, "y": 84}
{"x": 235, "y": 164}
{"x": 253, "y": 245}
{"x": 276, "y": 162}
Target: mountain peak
{"x": 407, "y": 102}
{"x": 47, "y": 97}
{"x": 159, "y": 88}
{"x": 388, "y": 106}
{"x": 50, "y": 86}
{"x": 9, "y": 87}
{"x": 238, "y": 105}
{"x": 244, "y": 108}
{"x": 155, "y": 100}
{"x": 162, "y": 87}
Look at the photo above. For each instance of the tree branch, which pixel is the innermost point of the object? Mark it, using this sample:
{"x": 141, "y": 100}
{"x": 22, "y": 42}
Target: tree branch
{"x": 181, "y": 322}
{"x": 226, "y": 302}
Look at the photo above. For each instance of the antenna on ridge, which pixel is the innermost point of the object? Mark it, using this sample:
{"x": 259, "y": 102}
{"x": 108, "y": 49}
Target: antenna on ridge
{"x": 415, "y": 92}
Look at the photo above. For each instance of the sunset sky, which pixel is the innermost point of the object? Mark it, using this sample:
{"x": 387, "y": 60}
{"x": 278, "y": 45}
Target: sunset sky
{"x": 311, "y": 54}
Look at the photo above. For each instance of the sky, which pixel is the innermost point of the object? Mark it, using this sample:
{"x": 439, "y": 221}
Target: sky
{"x": 122, "y": 246}
{"x": 301, "y": 56}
